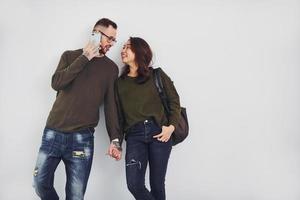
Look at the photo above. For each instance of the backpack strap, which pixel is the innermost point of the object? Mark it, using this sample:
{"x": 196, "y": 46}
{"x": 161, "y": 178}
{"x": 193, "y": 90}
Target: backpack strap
{"x": 161, "y": 90}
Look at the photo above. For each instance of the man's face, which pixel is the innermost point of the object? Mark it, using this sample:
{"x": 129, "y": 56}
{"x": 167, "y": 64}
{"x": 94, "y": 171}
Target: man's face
{"x": 108, "y": 38}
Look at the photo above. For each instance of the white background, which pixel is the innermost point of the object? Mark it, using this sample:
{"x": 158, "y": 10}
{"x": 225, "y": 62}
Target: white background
{"x": 235, "y": 65}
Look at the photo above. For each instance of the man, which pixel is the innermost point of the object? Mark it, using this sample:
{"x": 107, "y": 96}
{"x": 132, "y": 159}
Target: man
{"x": 84, "y": 79}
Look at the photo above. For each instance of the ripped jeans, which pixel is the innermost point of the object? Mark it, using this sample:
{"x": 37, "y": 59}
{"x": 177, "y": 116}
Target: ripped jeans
{"x": 76, "y": 151}
{"x": 142, "y": 148}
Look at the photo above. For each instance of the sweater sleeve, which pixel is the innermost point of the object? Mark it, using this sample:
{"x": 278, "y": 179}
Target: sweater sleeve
{"x": 173, "y": 99}
{"x": 110, "y": 110}
{"x": 121, "y": 118}
{"x": 65, "y": 73}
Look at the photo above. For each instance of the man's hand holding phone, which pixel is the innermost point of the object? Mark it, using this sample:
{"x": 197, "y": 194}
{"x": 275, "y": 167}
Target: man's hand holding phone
{"x": 90, "y": 51}
{"x": 92, "y": 48}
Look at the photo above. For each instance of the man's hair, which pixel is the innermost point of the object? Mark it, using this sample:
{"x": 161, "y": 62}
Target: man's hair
{"x": 106, "y": 23}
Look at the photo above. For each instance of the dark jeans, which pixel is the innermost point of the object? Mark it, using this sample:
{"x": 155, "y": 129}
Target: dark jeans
{"x": 142, "y": 148}
{"x": 76, "y": 151}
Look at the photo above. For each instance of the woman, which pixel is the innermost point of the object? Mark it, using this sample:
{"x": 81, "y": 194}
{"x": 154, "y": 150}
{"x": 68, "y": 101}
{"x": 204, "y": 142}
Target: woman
{"x": 147, "y": 129}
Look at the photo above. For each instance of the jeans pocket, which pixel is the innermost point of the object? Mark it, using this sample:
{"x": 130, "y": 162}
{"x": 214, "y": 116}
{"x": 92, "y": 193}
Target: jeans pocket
{"x": 48, "y": 139}
{"x": 83, "y": 139}
{"x": 91, "y": 131}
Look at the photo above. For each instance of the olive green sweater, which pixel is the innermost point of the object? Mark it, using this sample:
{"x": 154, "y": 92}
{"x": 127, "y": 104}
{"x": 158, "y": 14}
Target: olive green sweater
{"x": 83, "y": 86}
{"x": 141, "y": 101}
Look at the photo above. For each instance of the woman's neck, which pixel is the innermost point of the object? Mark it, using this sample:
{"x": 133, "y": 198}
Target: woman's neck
{"x": 133, "y": 70}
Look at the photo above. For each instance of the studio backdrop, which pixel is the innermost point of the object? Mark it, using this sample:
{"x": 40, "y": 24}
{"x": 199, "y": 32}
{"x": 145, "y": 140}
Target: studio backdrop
{"x": 236, "y": 67}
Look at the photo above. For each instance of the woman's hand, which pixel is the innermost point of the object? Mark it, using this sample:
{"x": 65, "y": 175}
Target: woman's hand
{"x": 166, "y": 133}
{"x": 114, "y": 151}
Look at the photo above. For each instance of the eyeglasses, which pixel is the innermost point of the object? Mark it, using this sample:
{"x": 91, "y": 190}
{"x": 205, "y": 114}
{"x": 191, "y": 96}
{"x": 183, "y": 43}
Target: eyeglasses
{"x": 109, "y": 38}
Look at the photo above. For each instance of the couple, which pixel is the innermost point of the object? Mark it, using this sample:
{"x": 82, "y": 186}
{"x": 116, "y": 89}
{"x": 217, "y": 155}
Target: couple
{"x": 86, "y": 78}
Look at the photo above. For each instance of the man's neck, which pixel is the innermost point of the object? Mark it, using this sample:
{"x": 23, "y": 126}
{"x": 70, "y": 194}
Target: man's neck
{"x": 100, "y": 55}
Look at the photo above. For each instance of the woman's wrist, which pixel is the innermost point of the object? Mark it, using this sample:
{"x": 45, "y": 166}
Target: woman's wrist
{"x": 172, "y": 127}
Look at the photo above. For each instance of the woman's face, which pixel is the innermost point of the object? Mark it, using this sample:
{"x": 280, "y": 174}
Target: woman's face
{"x": 127, "y": 54}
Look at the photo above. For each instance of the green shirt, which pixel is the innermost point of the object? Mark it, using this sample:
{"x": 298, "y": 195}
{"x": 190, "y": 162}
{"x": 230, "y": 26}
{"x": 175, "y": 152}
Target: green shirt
{"x": 83, "y": 86}
{"x": 141, "y": 101}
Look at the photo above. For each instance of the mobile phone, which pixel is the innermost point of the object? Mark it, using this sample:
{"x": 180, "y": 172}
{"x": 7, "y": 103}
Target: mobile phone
{"x": 95, "y": 38}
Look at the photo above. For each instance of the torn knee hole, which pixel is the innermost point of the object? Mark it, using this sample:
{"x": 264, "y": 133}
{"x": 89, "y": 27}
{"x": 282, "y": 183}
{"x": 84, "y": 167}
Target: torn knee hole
{"x": 78, "y": 154}
{"x": 134, "y": 162}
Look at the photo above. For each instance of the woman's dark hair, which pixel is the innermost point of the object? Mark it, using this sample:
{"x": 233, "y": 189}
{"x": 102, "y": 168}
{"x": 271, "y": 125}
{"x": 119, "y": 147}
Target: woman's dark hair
{"x": 143, "y": 58}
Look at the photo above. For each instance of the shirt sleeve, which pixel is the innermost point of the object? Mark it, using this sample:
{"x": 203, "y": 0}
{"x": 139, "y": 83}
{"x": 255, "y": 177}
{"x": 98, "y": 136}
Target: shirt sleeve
{"x": 65, "y": 73}
{"x": 173, "y": 99}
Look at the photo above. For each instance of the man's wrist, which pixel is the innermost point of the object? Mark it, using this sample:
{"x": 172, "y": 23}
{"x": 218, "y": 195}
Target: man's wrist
{"x": 117, "y": 144}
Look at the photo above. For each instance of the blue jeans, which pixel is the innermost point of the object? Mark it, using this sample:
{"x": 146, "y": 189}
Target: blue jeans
{"x": 76, "y": 151}
{"x": 142, "y": 148}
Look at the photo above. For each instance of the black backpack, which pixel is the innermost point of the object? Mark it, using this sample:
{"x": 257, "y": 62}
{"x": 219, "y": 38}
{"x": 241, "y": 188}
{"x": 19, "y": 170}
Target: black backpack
{"x": 182, "y": 129}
